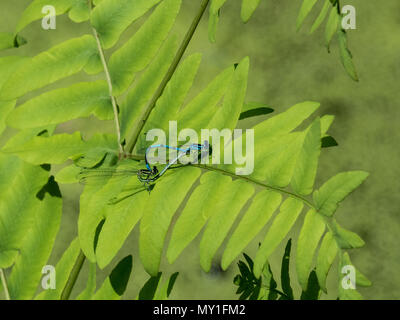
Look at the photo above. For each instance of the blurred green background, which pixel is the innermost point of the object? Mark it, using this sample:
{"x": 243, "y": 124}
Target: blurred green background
{"x": 286, "y": 68}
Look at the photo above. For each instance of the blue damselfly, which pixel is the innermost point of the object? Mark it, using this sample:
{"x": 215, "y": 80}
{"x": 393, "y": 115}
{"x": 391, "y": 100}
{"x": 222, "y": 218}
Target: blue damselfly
{"x": 147, "y": 175}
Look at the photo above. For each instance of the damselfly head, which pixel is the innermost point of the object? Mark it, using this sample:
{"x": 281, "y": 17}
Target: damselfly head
{"x": 207, "y": 147}
{"x": 205, "y": 150}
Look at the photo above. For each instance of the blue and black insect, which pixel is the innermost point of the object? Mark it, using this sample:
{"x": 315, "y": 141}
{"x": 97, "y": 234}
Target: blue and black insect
{"x": 150, "y": 174}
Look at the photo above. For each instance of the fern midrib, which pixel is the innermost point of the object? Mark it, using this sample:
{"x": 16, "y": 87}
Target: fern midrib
{"x": 178, "y": 57}
{"x": 247, "y": 179}
{"x": 259, "y": 183}
{"x": 109, "y": 83}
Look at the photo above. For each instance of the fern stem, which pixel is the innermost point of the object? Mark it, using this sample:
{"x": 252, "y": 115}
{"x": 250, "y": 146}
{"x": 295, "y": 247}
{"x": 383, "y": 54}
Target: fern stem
{"x": 185, "y": 43}
{"x": 251, "y": 180}
{"x": 110, "y": 88}
{"x": 4, "y": 283}
{"x": 257, "y": 182}
{"x": 73, "y": 276}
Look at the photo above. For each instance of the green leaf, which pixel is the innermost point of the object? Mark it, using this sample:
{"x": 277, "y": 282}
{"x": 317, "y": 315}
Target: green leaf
{"x": 8, "y": 65}
{"x": 149, "y": 289}
{"x": 253, "y": 109}
{"x": 305, "y": 9}
{"x": 110, "y": 18}
{"x": 349, "y": 294}
{"x": 138, "y": 51}
{"x": 58, "y": 148}
{"x": 268, "y": 280}
{"x": 226, "y": 211}
{"x": 80, "y": 11}
{"x": 200, "y": 206}
{"x": 309, "y": 237}
{"x": 326, "y": 122}
{"x": 361, "y": 280}
{"x": 321, "y": 17}
{"x": 7, "y": 257}
{"x": 94, "y": 65}
{"x": 164, "y": 291}
{"x": 121, "y": 219}
{"x": 346, "y": 56}
{"x": 95, "y": 203}
{"x": 248, "y": 8}
{"x": 285, "y": 276}
{"x": 5, "y": 109}
{"x": 275, "y": 159}
{"x": 216, "y": 5}
{"x": 68, "y": 174}
{"x": 261, "y": 210}
{"x": 10, "y": 40}
{"x": 34, "y": 11}
{"x": 228, "y": 115}
{"x": 346, "y": 239}
{"x": 206, "y": 100}
{"x": 115, "y": 284}
{"x": 19, "y": 185}
{"x": 290, "y": 210}
{"x": 331, "y": 26}
{"x": 336, "y": 189}
{"x": 285, "y": 121}
{"x": 55, "y": 149}
{"x": 63, "y": 269}
{"x": 326, "y": 256}
{"x": 159, "y": 212}
{"x": 307, "y": 163}
{"x": 88, "y": 292}
{"x": 313, "y": 290}
{"x": 173, "y": 96}
{"x": 61, "y": 105}
{"x": 145, "y": 87}
{"x": 37, "y": 242}
{"x": 23, "y": 136}
{"x": 47, "y": 67}
{"x": 213, "y": 21}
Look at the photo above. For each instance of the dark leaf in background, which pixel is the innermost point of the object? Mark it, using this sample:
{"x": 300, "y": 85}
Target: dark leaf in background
{"x": 313, "y": 289}
{"x": 51, "y": 187}
{"x": 171, "y": 283}
{"x": 253, "y": 109}
{"x": 150, "y": 287}
{"x": 119, "y": 277}
{"x": 327, "y": 142}
{"x": 97, "y": 234}
{"x": 285, "y": 277}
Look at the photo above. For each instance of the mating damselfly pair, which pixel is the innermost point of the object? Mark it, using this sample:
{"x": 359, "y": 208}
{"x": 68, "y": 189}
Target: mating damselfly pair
{"x": 149, "y": 174}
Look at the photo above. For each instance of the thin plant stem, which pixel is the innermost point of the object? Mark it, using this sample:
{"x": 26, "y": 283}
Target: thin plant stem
{"x": 146, "y": 113}
{"x": 257, "y": 182}
{"x": 110, "y": 88}
{"x": 4, "y": 283}
{"x": 247, "y": 179}
{"x": 73, "y": 276}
